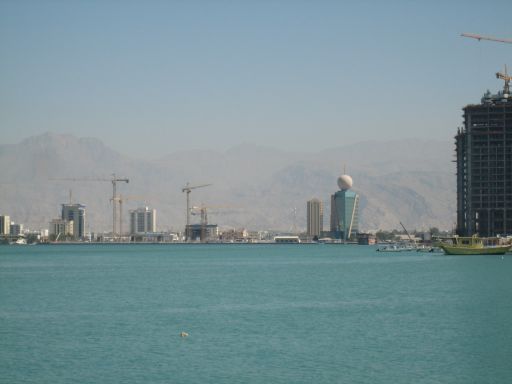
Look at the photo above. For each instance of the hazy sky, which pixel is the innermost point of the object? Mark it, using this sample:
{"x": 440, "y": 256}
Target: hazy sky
{"x": 153, "y": 77}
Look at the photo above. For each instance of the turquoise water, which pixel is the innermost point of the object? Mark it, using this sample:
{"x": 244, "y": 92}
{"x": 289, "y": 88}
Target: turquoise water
{"x": 254, "y": 314}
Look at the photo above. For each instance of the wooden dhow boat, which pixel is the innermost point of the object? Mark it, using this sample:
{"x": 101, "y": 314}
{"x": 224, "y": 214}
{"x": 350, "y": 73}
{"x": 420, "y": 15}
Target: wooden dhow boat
{"x": 473, "y": 245}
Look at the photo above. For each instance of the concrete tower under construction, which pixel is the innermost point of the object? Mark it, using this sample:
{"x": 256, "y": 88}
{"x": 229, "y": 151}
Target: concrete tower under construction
{"x": 484, "y": 166}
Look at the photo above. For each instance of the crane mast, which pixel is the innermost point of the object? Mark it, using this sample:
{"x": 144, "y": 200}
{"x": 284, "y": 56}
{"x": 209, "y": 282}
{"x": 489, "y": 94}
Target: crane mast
{"x": 505, "y": 76}
{"x": 115, "y": 201}
{"x": 121, "y": 199}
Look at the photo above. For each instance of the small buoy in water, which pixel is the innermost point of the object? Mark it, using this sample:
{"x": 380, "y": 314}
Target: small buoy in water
{"x": 184, "y": 334}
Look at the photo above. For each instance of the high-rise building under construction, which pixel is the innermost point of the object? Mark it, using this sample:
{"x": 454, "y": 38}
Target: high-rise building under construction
{"x": 142, "y": 220}
{"x": 484, "y": 166}
{"x": 76, "y": 214}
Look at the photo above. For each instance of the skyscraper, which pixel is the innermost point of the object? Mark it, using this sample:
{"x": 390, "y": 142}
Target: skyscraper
{"x": 142, "y": 220}
{"x": 344, "y": 210}
{"x": 76, "y": 214}
{"x": 315, "y": 217}
{"x": 484, "y": 167}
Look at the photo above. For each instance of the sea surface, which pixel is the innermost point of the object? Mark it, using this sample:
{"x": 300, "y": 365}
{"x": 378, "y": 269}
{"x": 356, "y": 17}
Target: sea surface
{"x": 254, "y": 314}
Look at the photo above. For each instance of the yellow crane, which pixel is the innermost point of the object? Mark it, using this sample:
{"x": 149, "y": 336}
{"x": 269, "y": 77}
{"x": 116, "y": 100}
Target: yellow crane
{"x": 188, "y": 188}
{"x": 505, "y": 76}
{"x": 499, "y": 75}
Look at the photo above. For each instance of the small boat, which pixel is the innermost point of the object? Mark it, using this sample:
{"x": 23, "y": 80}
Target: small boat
{"x": 472, "y": 246}
{"x": 396, "y": 248}
{"x": 424, "y": 248}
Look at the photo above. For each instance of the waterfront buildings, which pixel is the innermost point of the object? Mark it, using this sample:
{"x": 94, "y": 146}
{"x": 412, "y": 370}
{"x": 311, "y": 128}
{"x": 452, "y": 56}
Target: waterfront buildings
{"x": 16, "y": 229}
{"x": 344, "y": 210}
{"x": 235, "y": 235}
{"x": 60, "y": 229}
{"x": 484, "y": 167}
{"x": 287, "y": 239}
{"x": 142, "y": 220}
{"x": 366, "y": 239}
{"x": 75, "y": 213}
{"x": 5, "y": 225}
{"x": 315, "y": 218}
{"x": 202, "y": 232}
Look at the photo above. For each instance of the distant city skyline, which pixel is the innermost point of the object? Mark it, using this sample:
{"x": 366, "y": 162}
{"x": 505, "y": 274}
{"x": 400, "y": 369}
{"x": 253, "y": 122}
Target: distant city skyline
{"x": 289, "y": 74}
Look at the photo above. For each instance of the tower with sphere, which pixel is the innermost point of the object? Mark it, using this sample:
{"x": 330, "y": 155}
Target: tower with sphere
{"x": 344, "y": 210}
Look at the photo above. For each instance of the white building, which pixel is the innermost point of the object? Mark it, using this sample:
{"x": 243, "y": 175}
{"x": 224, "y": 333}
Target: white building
{"x": 61, "y": 228}
{"x": 142, "y": 220}
{"x": 5, "y": 225}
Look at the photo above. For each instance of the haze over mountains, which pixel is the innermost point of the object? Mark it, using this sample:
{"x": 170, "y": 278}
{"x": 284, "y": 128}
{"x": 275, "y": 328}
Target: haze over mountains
{"x": 253, "y": 187}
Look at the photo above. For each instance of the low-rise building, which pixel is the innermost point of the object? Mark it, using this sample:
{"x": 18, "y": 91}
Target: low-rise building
{"x": 16, "y": 229}
{"x": 60, "y": 228}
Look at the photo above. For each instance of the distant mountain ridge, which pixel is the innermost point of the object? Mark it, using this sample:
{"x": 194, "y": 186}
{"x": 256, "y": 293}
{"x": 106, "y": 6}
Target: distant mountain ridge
{"x": 257, "y": 187}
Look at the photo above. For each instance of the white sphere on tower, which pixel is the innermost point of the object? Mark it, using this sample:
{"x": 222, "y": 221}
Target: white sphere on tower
{"x": 345, "y": 182}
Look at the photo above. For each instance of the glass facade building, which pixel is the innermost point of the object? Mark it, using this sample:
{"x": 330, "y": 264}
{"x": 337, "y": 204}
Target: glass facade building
{"x": 76, "y": 214}
{"x": 142, "y": 220}
{"x": 344, "y": 214}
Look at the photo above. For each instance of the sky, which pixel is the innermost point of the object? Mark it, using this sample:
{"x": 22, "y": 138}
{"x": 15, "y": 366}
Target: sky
{"x": 150, "y": 78}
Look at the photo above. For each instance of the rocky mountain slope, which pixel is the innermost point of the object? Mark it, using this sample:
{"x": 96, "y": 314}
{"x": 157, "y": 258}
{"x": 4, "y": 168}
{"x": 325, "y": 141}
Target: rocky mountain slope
{"x": 254, "y": 187}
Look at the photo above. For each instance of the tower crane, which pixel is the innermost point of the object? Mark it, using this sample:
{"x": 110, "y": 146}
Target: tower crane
{"x": 114, "y": 180}
{"x": 203, "y": 209}
{"x": 499, "y": 75}
{"x": 188, "y": 188}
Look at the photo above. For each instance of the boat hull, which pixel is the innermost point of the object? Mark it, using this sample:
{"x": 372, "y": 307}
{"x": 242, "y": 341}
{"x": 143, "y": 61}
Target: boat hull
{"x": 458, "y": 250}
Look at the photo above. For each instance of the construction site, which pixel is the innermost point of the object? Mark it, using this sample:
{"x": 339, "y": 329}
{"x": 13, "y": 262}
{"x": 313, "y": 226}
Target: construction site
{"x": 484, "y": 172}
{"x": 142, "y": 228}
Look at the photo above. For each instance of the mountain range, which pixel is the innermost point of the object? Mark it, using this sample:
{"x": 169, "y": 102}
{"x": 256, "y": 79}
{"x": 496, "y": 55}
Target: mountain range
{"x": 255, "y": 187}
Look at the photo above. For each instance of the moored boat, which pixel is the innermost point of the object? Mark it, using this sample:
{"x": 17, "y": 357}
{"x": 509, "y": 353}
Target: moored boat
{"x": 472, "y": 246}
{"x": 396, "y": 248}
